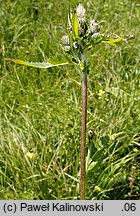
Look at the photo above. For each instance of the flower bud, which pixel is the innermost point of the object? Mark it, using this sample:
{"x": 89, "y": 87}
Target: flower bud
{"x": 80, "y": 11}
{"x": 65, "y": 40}
{"x": 94, "y": 26}
{"x": 81, "y": 15}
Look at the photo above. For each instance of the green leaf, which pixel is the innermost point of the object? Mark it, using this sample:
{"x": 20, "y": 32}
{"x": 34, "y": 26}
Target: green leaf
{"x": 59, "y": 59}
{"x": 114, "y": 42}
{"x": 48, "y": 64}
{"x": 69, "y": 17}
{"x": 75, "y": 24}
{"x": 98, "y": 38}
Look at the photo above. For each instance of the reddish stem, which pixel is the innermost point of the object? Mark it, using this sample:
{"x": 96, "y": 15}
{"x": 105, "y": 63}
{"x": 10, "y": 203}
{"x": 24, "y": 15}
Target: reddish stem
{"x": 83, "y": 137}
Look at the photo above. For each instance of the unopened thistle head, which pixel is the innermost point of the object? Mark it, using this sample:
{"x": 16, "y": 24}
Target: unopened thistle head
{"x": 94, "y": 26}
{"x": 65, "y": 42}
{"x": 80, "y": 11}
{"x": 82, "y": 22}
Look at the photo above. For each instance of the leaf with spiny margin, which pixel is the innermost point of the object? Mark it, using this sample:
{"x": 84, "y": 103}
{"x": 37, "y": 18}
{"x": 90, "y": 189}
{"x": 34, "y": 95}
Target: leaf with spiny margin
{"x": 116, "y": 41}
{"x": 97, "y": 38}
{"x": 49, "y": 64}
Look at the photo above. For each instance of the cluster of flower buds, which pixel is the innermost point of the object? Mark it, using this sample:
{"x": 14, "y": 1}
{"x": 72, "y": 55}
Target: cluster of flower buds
{"x": 82, "y": 33}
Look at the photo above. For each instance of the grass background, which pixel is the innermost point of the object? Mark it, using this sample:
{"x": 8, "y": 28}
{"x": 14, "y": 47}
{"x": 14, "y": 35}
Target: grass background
{"x": 40, "y": 109}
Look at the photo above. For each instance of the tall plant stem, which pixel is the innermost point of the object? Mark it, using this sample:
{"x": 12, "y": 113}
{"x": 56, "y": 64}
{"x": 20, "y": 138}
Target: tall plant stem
{"x": 83, "y": 136}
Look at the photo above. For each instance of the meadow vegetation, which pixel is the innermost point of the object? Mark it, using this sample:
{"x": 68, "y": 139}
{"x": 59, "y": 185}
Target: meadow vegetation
{"x": 40, "y": 109}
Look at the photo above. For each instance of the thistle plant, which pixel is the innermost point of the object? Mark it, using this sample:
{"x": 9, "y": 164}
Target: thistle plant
{"x": 82, "y": 35}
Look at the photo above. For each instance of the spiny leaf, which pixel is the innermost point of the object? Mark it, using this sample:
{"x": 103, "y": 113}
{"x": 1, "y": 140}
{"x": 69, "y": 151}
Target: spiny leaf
{"x": 36, "y": 64}
{"x": 97, "y": 38}
{"x": 114, "y": 42}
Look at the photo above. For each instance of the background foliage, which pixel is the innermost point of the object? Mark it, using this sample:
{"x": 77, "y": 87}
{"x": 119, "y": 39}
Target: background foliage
{"x": 40, "y": 109}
